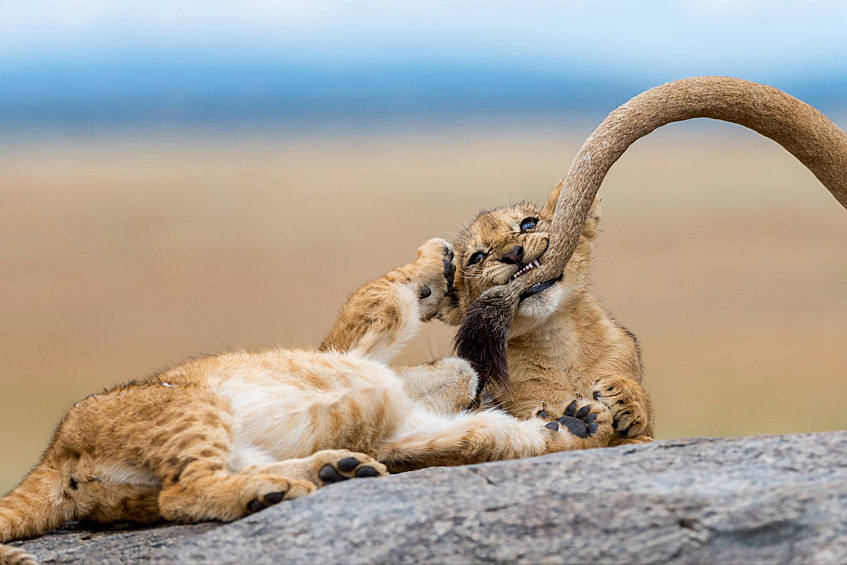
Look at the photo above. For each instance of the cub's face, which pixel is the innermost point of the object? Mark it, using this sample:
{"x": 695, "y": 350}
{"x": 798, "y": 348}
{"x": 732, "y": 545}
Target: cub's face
{"x": 507, "y": 243}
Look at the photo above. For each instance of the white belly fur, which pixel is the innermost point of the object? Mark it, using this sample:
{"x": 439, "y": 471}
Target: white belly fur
{"x": 276, "y": 416}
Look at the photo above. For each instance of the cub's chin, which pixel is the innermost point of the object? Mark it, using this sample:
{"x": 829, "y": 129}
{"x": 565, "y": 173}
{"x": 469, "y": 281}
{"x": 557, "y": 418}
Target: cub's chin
{"x": 544, "y": 304}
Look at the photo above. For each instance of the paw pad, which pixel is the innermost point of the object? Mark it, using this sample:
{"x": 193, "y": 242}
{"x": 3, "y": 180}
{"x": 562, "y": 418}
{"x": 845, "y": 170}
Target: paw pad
{"x": 268, "y": 500}
{"x": 348, "y": 464}
{"x": 579, "y": 418}
{"x": 329, "y": 474}
{"x": 365, "y": 472}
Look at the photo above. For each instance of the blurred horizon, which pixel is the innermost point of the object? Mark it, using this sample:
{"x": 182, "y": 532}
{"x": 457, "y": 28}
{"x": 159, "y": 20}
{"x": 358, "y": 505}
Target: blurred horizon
{"x": 95, "y": 65}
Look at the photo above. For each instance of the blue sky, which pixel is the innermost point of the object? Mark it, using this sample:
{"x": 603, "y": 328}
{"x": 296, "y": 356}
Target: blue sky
{"x": 114, "y": 52}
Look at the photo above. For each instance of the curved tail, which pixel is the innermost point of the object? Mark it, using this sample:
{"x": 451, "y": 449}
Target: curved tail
{"x": 799, "y": 128}
{"x": 36, "y": 506}
{"x": 806, "y": 133}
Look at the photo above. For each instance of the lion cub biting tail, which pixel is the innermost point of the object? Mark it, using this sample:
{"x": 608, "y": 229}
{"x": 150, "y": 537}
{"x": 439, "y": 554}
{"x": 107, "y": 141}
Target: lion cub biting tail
{"x": 220, "y": 437}
{"x": 562, "y": 344}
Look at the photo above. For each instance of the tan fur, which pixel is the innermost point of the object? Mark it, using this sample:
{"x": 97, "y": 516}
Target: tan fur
{"x": 798, "y": 127}
{"x": 219, "y": 437}
{"x": 563, "y": 345}
{"x": 562, "y": 341}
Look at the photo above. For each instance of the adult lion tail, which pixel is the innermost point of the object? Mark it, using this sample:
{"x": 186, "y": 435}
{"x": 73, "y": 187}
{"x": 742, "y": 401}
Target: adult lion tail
{"x": 33, "y": 508}
{"x": 799, "y": 128}
{"x": 803, "y": 131}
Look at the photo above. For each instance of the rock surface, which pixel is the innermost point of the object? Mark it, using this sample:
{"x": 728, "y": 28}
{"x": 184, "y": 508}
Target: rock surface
{"x": 746, "y": 500}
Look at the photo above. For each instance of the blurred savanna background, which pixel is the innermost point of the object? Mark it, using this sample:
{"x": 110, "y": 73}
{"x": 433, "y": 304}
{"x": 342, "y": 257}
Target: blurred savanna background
{"x": 180, "y": 178}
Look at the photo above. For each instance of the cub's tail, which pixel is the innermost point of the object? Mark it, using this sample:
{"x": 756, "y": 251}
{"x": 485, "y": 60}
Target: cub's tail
{"x": 35, "y": 507}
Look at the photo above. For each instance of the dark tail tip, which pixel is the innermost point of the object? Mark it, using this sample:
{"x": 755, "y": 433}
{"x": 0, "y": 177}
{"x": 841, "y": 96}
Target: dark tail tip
{"x": 481, "y": 338}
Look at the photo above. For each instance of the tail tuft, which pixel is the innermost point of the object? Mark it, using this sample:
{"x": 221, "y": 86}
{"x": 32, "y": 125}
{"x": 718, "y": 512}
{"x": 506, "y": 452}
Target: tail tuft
{"x": 482, "y": 337}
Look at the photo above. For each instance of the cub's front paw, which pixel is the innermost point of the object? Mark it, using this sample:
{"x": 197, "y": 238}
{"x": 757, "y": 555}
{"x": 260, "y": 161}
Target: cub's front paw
{"x": 626, "y": 401}
{"x": 434, "y": 273}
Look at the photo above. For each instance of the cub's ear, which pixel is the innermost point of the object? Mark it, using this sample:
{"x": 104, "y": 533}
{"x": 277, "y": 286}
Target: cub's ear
{"x": 591, "y": 223}
{"x": 589, "y": 230}
{"x": 547, "y": 212}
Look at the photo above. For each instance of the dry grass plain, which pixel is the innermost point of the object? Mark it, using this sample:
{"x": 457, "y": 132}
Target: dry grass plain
{"x": 120, "y": 256}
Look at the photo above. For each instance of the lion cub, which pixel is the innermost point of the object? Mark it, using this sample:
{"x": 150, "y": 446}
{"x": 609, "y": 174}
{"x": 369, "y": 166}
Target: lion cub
{"x": 563, "y": 344}
{"x": 220, "y": 437}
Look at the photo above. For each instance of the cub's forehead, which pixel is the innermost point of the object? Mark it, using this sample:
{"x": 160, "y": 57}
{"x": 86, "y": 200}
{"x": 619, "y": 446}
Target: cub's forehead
{"x": 493, "y": 222}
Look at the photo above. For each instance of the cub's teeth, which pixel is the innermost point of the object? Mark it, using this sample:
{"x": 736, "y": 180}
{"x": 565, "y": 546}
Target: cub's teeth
{"x": 526, "y": 268}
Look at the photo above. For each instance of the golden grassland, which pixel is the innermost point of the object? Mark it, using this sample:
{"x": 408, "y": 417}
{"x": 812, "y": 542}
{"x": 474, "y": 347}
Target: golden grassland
{"x": 119, "y": 257}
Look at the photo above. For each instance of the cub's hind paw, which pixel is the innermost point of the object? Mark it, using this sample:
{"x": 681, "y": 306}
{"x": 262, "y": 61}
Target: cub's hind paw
{"x": 269, "y": 490}
{"x": 625, "y": 401}
{"x": 340, "y": 465}
{"x": 584, "y": 419}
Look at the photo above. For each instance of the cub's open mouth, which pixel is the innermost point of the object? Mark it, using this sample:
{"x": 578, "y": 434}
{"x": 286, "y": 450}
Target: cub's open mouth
{"x": 539, "y": 287}
{"x": 525, "y": 269}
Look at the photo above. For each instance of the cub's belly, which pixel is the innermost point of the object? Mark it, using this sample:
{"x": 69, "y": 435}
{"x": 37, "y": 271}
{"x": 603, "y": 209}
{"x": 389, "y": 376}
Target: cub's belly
{"x": 302, "y": 402}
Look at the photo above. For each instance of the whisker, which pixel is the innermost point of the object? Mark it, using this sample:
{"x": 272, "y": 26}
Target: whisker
{"x": 457, "y": 224}
{"x": 467, "y": 223}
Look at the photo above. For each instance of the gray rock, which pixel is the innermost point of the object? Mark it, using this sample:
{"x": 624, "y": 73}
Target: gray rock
{"x": 747, "y": 500}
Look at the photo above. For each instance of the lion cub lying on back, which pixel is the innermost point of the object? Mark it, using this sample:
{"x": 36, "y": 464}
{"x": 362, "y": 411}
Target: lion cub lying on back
{"x": 563, "y": 345}
{"x": 220, "y": 437}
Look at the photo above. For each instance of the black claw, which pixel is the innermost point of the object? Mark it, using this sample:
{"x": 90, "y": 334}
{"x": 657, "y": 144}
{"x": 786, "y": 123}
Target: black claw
{"x": 448, "y": 252}
{"x": 255, "y": 505}
{"x": 348, "y": 464}
{"x": 449, "y": 274}
{"x": 328, "y": 474}
{"x": 424, "y": 292}
{"x": 596, "y": 395}
{"x": 552, "y": 426}
{"x": 571, "y": 409}
{"x": 582, "y": 413}
{"x": 366, "y": 471}
{"x": 574, "y": 426}
{"x": 541, "y": 414}
{"x": 274, "y": 497}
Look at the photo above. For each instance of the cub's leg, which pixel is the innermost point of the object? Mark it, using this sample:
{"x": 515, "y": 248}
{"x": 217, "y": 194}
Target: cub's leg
{"x": 189, "y": 444}
{"x": 379, "y": 318}
{"x": 225, "y": 497}
{"x": 325, "y": 467}
{"x": 446, "y": 386}
{"x": 631, "y": 408}
{"x": 431, "y": 439}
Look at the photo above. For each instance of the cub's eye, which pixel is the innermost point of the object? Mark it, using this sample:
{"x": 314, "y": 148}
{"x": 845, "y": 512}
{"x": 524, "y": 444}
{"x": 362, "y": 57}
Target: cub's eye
{"x": 528, "y": 223}
{"x": 476, "y": 258}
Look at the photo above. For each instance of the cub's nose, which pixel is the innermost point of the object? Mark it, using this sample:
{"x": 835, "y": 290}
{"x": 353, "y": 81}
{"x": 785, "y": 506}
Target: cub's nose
{"x": 515, "y": 256}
